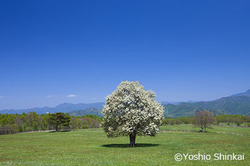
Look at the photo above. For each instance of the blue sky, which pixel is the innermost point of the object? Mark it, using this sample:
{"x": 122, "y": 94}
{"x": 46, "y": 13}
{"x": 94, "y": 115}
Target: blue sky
{"x": 79, "y": 51}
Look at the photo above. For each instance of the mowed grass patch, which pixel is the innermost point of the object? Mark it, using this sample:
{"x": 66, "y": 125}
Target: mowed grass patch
{"x": 92, "y": 147}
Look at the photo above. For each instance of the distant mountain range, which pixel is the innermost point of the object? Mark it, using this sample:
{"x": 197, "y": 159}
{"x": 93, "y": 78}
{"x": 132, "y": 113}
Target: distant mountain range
{"x": 176, "y": 102}
{"x": 235, "y": 104}
{"x": 93, "y": 111}
{"x": 65, "y": 107}
{"x": 226, "y": 105}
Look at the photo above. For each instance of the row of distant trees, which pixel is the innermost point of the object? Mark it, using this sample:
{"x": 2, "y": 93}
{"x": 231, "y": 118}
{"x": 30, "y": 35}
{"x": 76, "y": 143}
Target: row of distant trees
{"x": 219, "y": 120}
{"x": 14, "y": 123}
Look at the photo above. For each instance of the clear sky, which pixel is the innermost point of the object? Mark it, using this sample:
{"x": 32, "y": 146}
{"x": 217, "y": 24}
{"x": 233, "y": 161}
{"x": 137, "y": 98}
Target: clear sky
{"x": 79, "y": 51}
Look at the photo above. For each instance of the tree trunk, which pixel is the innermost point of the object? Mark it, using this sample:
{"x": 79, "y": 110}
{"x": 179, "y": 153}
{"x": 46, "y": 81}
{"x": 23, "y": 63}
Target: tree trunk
{"x": 132, "y": 139}
{"x": 56, "y": 127}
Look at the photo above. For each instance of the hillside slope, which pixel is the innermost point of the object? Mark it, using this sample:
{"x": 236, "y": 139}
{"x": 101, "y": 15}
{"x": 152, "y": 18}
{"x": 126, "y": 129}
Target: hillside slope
{"x": 226, "y": 105}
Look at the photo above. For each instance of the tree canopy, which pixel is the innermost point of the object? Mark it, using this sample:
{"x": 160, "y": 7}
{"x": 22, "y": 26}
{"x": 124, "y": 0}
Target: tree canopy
{"x": 59, "y": 119}
{"x": 131, "y": 110}
{"x": 204, "y": 119}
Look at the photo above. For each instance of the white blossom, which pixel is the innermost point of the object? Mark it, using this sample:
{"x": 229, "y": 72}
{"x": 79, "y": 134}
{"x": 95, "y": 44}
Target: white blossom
{"x": 132, "y": 109}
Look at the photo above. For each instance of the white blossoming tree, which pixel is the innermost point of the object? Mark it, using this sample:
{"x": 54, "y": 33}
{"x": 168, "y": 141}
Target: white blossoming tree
{"x": 131, "y": 110}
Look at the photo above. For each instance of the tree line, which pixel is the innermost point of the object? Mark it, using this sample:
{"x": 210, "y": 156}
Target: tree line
{"x": 31, "y": 121}
{"x": 220, "y": 120}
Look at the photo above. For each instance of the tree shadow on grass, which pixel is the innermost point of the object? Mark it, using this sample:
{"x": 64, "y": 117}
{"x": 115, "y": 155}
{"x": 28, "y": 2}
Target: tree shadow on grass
{"x": 127, "y": 145}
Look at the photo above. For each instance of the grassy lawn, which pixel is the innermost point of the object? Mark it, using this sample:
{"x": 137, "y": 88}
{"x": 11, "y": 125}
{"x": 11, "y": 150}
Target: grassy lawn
{"x": 92, "y": 147}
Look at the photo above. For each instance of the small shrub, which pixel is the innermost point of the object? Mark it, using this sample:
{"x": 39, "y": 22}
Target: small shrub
{"x": 85, "y": 126}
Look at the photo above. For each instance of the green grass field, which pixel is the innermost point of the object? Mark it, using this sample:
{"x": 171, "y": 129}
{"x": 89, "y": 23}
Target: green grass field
{"x": 92, "y": 147}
